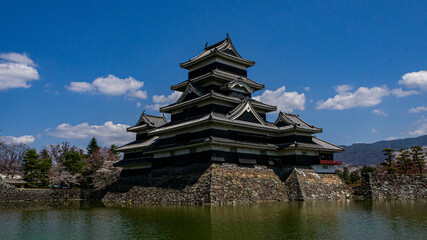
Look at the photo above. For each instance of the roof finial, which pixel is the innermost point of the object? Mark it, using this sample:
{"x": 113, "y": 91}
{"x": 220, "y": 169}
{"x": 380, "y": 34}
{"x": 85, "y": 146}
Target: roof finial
{"x": 143, "y": 111}
{"x": 206, "y": 45}
{"x": 227, "y": 35}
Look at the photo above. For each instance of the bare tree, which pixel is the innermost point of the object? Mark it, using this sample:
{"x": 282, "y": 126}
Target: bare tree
{"x": 58, "y": 151}
{"x": 11, "y": 156}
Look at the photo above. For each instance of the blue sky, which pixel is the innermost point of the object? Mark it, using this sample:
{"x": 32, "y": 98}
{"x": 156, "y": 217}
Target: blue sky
{"x": 69, "y": 71}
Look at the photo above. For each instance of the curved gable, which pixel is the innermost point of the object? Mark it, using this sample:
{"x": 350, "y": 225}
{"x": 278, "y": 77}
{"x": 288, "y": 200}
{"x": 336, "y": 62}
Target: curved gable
{"x": 246, "y": 112}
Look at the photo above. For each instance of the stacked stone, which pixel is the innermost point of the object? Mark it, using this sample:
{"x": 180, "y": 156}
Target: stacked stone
{"x": 305, "y": 184}
{"x": 393, "y": 186}
{"x": 215, "y": 184}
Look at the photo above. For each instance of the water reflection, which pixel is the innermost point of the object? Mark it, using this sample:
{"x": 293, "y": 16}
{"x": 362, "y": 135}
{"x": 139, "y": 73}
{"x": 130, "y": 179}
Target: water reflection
{"x": 286, "y": 220}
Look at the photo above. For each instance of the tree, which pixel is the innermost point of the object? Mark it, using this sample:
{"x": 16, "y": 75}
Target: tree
{"x": 99, "y": 170}
{"x": 389, "y": 160}
{"x": 345, "y": 174}
{"x": 418, "y": 157}
{"x": 61, "y": 177}
{"x": 107, "y": 173}
{"x": 92, "y": 146}
{"x": 113, "y": 149}
{"x": 73, "y": 162}
{"x": 45, "y": 166}
{"x": 404, "y": 162}
{"x": 365, "y": 169}
{"x": 11, "y": 156}
{"x": 31, "y": 167}
{"x": 58, "y": 174}
{"x": 354, "y": 176}
{"x": 339, "y": 173}
{"x": 58, "y": 151}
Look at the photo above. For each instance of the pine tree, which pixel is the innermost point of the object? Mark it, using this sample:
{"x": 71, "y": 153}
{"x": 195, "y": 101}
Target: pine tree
{"x": 345, "y": 174}
{"x": 36, "y": 168}
{"x": 113, "y": 149}
{"x": 403, "y": 160}
{"x": 31, "y": 167}
{"x": 418, "y": 157}
{"x": 73, "y": 162}
{"x": 339, "y": 174}
{"x": 365, "y": 169}
{"x": 92, "y": 146}
{"x": 389, "y": 161}
{"x": 45, "y": 165}
{"x": 354, "y": 176}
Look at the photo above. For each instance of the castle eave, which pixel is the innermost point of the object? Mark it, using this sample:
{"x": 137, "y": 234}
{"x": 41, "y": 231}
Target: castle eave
{"x": 218, "y": 74}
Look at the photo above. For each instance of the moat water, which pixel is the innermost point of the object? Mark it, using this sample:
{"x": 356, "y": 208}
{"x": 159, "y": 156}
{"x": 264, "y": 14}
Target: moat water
{"x": 393, "y": 219}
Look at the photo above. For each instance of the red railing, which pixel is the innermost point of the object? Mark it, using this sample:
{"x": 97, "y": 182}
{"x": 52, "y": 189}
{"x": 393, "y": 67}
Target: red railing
{"x": 330, "y": 162}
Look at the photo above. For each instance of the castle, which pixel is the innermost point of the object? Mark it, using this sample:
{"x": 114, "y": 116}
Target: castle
{"x": 215, "y": 120}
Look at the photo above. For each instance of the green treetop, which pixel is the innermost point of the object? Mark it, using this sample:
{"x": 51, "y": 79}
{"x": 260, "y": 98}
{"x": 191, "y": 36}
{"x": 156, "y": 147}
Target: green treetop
{"x": 346, "y": 174}
{"x": 36, "y": 168}
{"x": 30, "y": 165}
{"x": 45, "y": 165}
{"x": 73, "y": 162}
{"x": 113, "y": 148}
{"x": 92, "y": 146}
{"x": 367, "y": 169}
{"x": 354, "y": 176}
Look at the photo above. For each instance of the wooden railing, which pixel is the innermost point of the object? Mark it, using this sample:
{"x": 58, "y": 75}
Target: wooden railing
{"x": 330, "y": 162}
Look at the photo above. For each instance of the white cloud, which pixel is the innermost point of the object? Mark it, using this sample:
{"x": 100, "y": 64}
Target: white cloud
{"x": 379, "y": 112}
{"x": 285, "y": 101}
{"x": 26, "y": 139}
{"x": 391, "y": 138}
{"x": 18, "y": 58}
{"x": 418, "y": 109}
{"x": 343, "y": 88}
{"x": 421, "y": 130}
{"x": 80, "y": 87}
{"x": 415, "y": 80}
{"x": 373, "y": 130}
{"x": 16, "y": 71}
{"x": 138, "y": 104}
{"x": 162, "y": 100}
{"x": 111, "y": 85}
{"x": 398, "y": 92}
{"x": 307, "y": 89}
{"x": 362, "y": 97}
{"x": 108, "y": 133}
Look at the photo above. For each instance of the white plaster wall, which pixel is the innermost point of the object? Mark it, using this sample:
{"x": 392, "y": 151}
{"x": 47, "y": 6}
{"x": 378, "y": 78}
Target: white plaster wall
{"x": 321, "y": 169}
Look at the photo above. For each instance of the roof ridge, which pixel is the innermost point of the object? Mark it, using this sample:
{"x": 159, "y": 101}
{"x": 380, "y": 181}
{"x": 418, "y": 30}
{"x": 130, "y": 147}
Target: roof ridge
{"x": 215, "y": 44}
{"x": 289, "y": 114}
{"x": 153, "y": 115}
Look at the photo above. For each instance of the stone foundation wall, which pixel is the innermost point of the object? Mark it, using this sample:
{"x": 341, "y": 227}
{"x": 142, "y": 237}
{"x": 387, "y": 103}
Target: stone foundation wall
{"x": 183, "y": 185}
{"x": 231, "y": 183}
{"x": 9, "y": 193}
{"x": 307, "y": 185}
{"x": 393, "y": 187}
{"x": 202, "y": 184}
{"x": 226, "y": 183}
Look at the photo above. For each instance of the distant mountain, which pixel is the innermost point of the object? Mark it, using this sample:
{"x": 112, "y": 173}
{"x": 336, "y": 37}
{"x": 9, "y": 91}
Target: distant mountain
{"x": 371, "y": 153}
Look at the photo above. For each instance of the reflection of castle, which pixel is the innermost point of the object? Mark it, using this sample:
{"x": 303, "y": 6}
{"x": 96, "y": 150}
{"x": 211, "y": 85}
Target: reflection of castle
{"x": 215, "y": 120}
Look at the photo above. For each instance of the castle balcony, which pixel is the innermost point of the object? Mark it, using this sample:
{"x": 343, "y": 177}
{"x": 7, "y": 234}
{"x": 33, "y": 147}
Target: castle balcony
{"x": 330, "y": 162}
